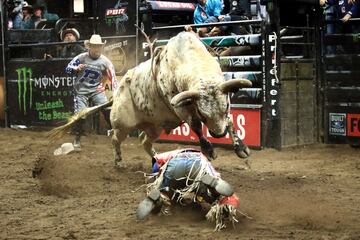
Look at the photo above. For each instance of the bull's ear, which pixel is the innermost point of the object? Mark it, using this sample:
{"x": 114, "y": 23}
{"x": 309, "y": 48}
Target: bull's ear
{"x": 184, "y": 98}
{"x": 233, "y": 85}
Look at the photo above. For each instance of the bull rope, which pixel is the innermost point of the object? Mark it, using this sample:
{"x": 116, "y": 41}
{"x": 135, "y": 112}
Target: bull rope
{"x": 154, "y": 55}
{"x": 152, "y": 51}
{"x": 217, "y": 214}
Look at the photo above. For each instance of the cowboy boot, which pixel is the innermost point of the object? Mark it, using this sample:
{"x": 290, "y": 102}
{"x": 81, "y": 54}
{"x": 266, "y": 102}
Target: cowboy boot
{"x": 148, "y": 204}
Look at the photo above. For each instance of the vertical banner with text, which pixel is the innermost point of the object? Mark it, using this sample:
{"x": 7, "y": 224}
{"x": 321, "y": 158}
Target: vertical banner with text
{"x": 271, "y": 88}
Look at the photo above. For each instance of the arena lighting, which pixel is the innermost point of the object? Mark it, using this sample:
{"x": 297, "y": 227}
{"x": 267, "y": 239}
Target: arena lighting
{"x": 78, "y": 6}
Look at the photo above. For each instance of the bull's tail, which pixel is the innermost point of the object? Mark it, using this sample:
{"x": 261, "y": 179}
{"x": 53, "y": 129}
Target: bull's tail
{"x": 62, "y": 130}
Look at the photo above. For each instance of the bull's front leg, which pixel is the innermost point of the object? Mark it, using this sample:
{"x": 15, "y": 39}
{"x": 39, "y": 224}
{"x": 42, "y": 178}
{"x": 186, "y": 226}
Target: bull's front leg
{"x": 117, "y": 138}
{"x": 148, "y": 137}
{"x": 206, "y": 146}
{"x": 147, "y": 144}
{"x": 240, "y": 148}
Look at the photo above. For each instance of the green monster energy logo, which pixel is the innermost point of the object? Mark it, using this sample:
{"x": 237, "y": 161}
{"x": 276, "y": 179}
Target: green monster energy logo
{"x": 24, "y": 86}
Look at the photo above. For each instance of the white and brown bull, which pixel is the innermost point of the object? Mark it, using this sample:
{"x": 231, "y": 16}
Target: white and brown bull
{"x": 181, "y": 83}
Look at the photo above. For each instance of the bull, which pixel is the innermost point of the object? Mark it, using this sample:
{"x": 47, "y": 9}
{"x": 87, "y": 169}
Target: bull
{"x": 182, "y": 82}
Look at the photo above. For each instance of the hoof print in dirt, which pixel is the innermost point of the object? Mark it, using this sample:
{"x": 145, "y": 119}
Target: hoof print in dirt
{"x": 38, "y": 167}
{"x": 36, "y": 171}
{"x": 120, "y": 165}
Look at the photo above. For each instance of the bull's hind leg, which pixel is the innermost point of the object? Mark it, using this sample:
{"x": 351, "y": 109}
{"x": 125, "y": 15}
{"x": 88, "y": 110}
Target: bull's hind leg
{"x": 116, "y": 140}
{"x": 206, "y": 146}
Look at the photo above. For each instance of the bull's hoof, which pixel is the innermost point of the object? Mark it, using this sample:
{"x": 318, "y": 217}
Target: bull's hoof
{"x": 242, "y": 152}
{"x": 209, "y": 153}
{"x": 208, "y": 150}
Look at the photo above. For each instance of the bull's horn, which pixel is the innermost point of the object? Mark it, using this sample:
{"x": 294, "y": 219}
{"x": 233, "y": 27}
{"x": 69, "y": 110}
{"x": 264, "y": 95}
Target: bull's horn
{"x": 234, "y": 84}
{"x": 184, "y": 98}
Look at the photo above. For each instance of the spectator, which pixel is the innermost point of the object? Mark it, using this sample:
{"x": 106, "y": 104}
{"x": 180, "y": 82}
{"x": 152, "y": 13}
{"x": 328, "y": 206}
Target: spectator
{"x": 71, "y": 50}
{"x": 68, "y": 35}
{"x": 346, "y": 9}
{"x": 329, "y": 12}
{"x": 27, "y": 21}
{"x": 90, "y": 69}
{"x": 200, "y": 14}
{"x": 215, "y": 8}
{"x": 239, "y": 10}
{"x": 41, "y": 13}
{"x": 15, "y": 15}
{"x": 186, "y": 176}
{"x": 209, "y": 11}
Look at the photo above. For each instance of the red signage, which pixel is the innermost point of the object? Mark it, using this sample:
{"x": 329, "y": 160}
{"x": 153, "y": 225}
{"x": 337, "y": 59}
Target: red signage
{"x": 246, "y": 122}
{"x": 353, "y": 125}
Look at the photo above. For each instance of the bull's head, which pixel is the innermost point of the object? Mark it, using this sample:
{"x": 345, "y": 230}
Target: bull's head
{"x": 212, "y": 103}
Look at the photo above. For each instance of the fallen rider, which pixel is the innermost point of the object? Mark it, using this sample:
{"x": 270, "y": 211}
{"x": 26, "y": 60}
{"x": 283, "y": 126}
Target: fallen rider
{"x": 187, "y": 177}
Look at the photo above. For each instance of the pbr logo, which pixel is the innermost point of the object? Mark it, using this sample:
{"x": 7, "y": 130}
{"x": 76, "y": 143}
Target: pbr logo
{"x": 25, "y": 89}
{"x": 117, "y": 16}
{"x": 337, "y": 124}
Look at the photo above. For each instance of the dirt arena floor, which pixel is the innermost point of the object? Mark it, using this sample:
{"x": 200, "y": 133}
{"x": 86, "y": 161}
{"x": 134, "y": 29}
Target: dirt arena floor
{"x": 310, "y": 192}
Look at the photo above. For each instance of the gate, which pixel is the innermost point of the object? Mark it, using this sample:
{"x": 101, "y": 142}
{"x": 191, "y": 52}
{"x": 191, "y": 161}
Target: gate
{"x": 341, "y": 55}
{"x": 301, "y": 118}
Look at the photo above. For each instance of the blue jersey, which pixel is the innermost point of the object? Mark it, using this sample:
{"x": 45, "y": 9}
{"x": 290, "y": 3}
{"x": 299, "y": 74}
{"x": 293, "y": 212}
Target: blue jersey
{"x": 89, "y": 80}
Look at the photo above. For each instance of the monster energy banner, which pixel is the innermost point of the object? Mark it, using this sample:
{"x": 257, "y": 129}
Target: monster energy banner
{"x": 117, "y": 17}
{"x": 39, "y": 93}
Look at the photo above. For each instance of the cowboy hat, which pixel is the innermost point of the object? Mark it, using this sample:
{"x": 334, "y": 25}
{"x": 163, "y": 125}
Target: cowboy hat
{"x": 94, "y": 40}
{"x": 26, "y": 5}
{"x": 70, "y": 30}
{"x": 65, "y": 148}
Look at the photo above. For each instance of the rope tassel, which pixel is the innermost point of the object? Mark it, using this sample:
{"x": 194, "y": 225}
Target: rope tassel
{"x": 219, "y": 214}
